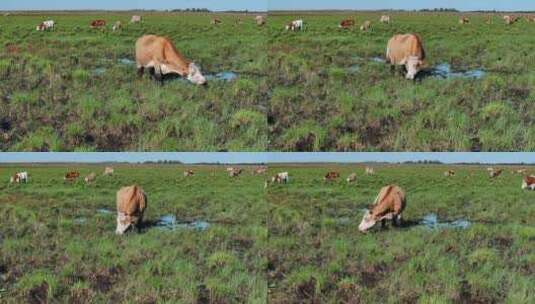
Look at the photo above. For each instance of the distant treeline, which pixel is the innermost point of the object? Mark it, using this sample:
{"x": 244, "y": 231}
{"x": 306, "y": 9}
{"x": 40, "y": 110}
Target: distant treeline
{"x": 196, "y": 10}
{"x": 441, "y": 9}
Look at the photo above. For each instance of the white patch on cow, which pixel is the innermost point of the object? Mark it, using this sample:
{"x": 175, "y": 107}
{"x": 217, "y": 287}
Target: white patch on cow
{"x": 412, "y": 64}
{"x": 122, "y": 223}
{"x": 194, "y": 74}
{"x": 367, "y": 222}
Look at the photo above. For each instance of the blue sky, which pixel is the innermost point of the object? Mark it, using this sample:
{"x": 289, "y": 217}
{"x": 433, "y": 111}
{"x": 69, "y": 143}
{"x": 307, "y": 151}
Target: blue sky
{"x": 216, "y": 5}
{"x": 271, "y": 157}
{"x": 465, "y": 5}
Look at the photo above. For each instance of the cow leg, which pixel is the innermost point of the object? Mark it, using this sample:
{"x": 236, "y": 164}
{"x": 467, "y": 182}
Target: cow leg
{"x": 140, "y": 71}
{"x": 383, "y": 223}
{"x": 392, "y": 69}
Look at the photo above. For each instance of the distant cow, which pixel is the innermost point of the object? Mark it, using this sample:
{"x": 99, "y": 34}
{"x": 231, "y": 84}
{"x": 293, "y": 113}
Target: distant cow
{"x": 46, "y": 25}
{"x": 369, "y": 171}
{"x": 510, "y": 19}
{"x": 449, "y": 173}
{"x": 160, "y": 54}
{"x": 260, "y": 20}
{"x": 495, "y": 173}
{"x": 366, "y": 26}
{"x": 98, "y": 23}
{"x": 260, "y": 170}
{"x": 530, "y": 19}
{"x": 296, "y": 25}
{"x": 216, "y": 21}
{"x": 528, "y": 182}
{"x": 20, "y": 177}
{"x": 108, "y": 171}
{"x": 188, "y": 173}
{"x": 407, "y": 50}
{"x": 521, "y": 171}
{"x": 117, "y": 26}
{"x": 351, "y": 178}
{"x": 235, "y": 172}
{"x": 280, "y": 178}
{"x": 331, "y": 176}
{"x": 464, "y": 20}
{"x": 385, "y": 19}
{"x": 131, "y": 204}
{"x": 71, "y": 176}
{"x": 488, "y": 20}
{"x": 135, "y": 19}
{"x": 91, "y": 177}
{"x": 388, "y": 205}
{"x": 348, "y": 23}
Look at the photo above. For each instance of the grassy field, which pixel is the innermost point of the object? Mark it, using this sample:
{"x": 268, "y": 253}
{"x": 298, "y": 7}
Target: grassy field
{"x": 55, "y": 244}
{"x": 75, "y": 88}
{"x": 329, "y": 94}
{"x": 317, "y": 255}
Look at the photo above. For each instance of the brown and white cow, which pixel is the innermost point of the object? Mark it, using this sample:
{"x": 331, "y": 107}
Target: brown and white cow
{"x": 71, "y": 176}
{"x": 235, "y": 172}
{"x": 131, "y": 204}
{"x": 369, "y": 171}
{"x": 46, "y": 25}
{"x": 407, "y": 50}
{"x": 90, "y": 178}
{"x": 464, "y": 20}
{"x": 296, "y": 25}
{"x": 351, "y": 178}
{"x": 495, "y": 173}
{"x": 528, "y": 182}
{"x": 388, "y": 205}
{"x": 348, "y": 23}
{"x": 385, "y": 19}
{"x": 108, "y": 171}
{"x": 20, "y": 177}
{"x": 98, "y": 23}
{"x": 160, "y": 54}
{"x": 135, "y": 19}
{"x": 510, "y": 19}
{"x": 366, "y": 26}
{"x": 449, "y": 173}
{"x": 259, "y": 170}
{"x": 216, "y": 21}
{"x": 331, "y": 176}
{"x": 188, "y": 173}
{"x": 117, "y": 26}
{"x": 280, "y": 178}
{"x": 260, "y": 20}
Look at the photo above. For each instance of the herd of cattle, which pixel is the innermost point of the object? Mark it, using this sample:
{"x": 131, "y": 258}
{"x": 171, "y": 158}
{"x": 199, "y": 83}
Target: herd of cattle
{"x": 388, "y": 205}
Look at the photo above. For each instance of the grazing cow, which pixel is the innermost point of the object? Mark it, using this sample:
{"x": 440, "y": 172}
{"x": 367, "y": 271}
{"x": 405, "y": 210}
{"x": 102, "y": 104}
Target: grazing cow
{"x": 188, "y": 173}
{"x": 351, "y": 178}
{"x": 331, "y": 176}
{"x": 464, "y": 20}
{"x": 71, "y": 176}
{"x": 131, "y": 204}
{"x": 259, "y": 170}
{"x": 348, "y": 23}
{"x": 388, "y": 205}
{"x": 135, "y": 19}
{"x": 406, "y": 50}
{"x": 235, "y": 172}
{"x": 216, "y": 21}
{"x": 369, "y": 171}
{"x": 296, "y": 25}
{"x": 449, "y": 173}
{"x": 521, "y": 171}
{"x": 528, "y": 182}
{"x": 260, "y": 20}
{"x": 46, "y": 25}
{"x": 366, "y": 26}
{"x": 20, "y": 177}
{"x": 108, "y": 171}
{"x": 98, "y": 23}
{"x": 117, "y": 26}
{"x": 495, "y": 173}
{"x": 91, "y": 177}
{"x": 530, "y": 19}
{"x": 160, "y": 54}
{"x": 510, "y": 19}
{"x": 385, "y": 19}
{"x": 280, "y": 178}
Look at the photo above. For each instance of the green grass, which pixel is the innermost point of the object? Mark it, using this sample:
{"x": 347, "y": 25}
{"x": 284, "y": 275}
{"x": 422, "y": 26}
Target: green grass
{"x": 317, "y": 255}
{"x": 68, "y": 90}
{"x": 320, "y": 103}
{"x": 54, "y": 243}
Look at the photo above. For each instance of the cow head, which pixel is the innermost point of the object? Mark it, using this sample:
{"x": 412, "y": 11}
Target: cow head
{"x": 413, "y": 65}
{"x": 124, "y": 222}
{"x": 194, "y": 74}
{"x": 368, "y": 221}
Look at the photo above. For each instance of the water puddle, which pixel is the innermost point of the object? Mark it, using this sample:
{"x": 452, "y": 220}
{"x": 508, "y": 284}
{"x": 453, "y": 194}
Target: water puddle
{"x": 126, "y": 61}
{"x": 104, "y": 211}
{"x": 225, "y": 76}
{"x": 80, "y": 220}
{"x": 431, "y": 221}
{"x": 443, "y": 70}
{"x": 354, "y": 68}
{"x": 378, "y": 59}
{"x": 169, "y": 222}
{"x": 99, "y": 71}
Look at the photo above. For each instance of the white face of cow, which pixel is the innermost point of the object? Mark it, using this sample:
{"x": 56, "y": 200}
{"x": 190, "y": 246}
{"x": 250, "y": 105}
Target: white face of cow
{"x": 122, "y": 224}
{"x": 194, "y": 75}
{"x": 413, "y": 66}
{"x": 367, "y": 222}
